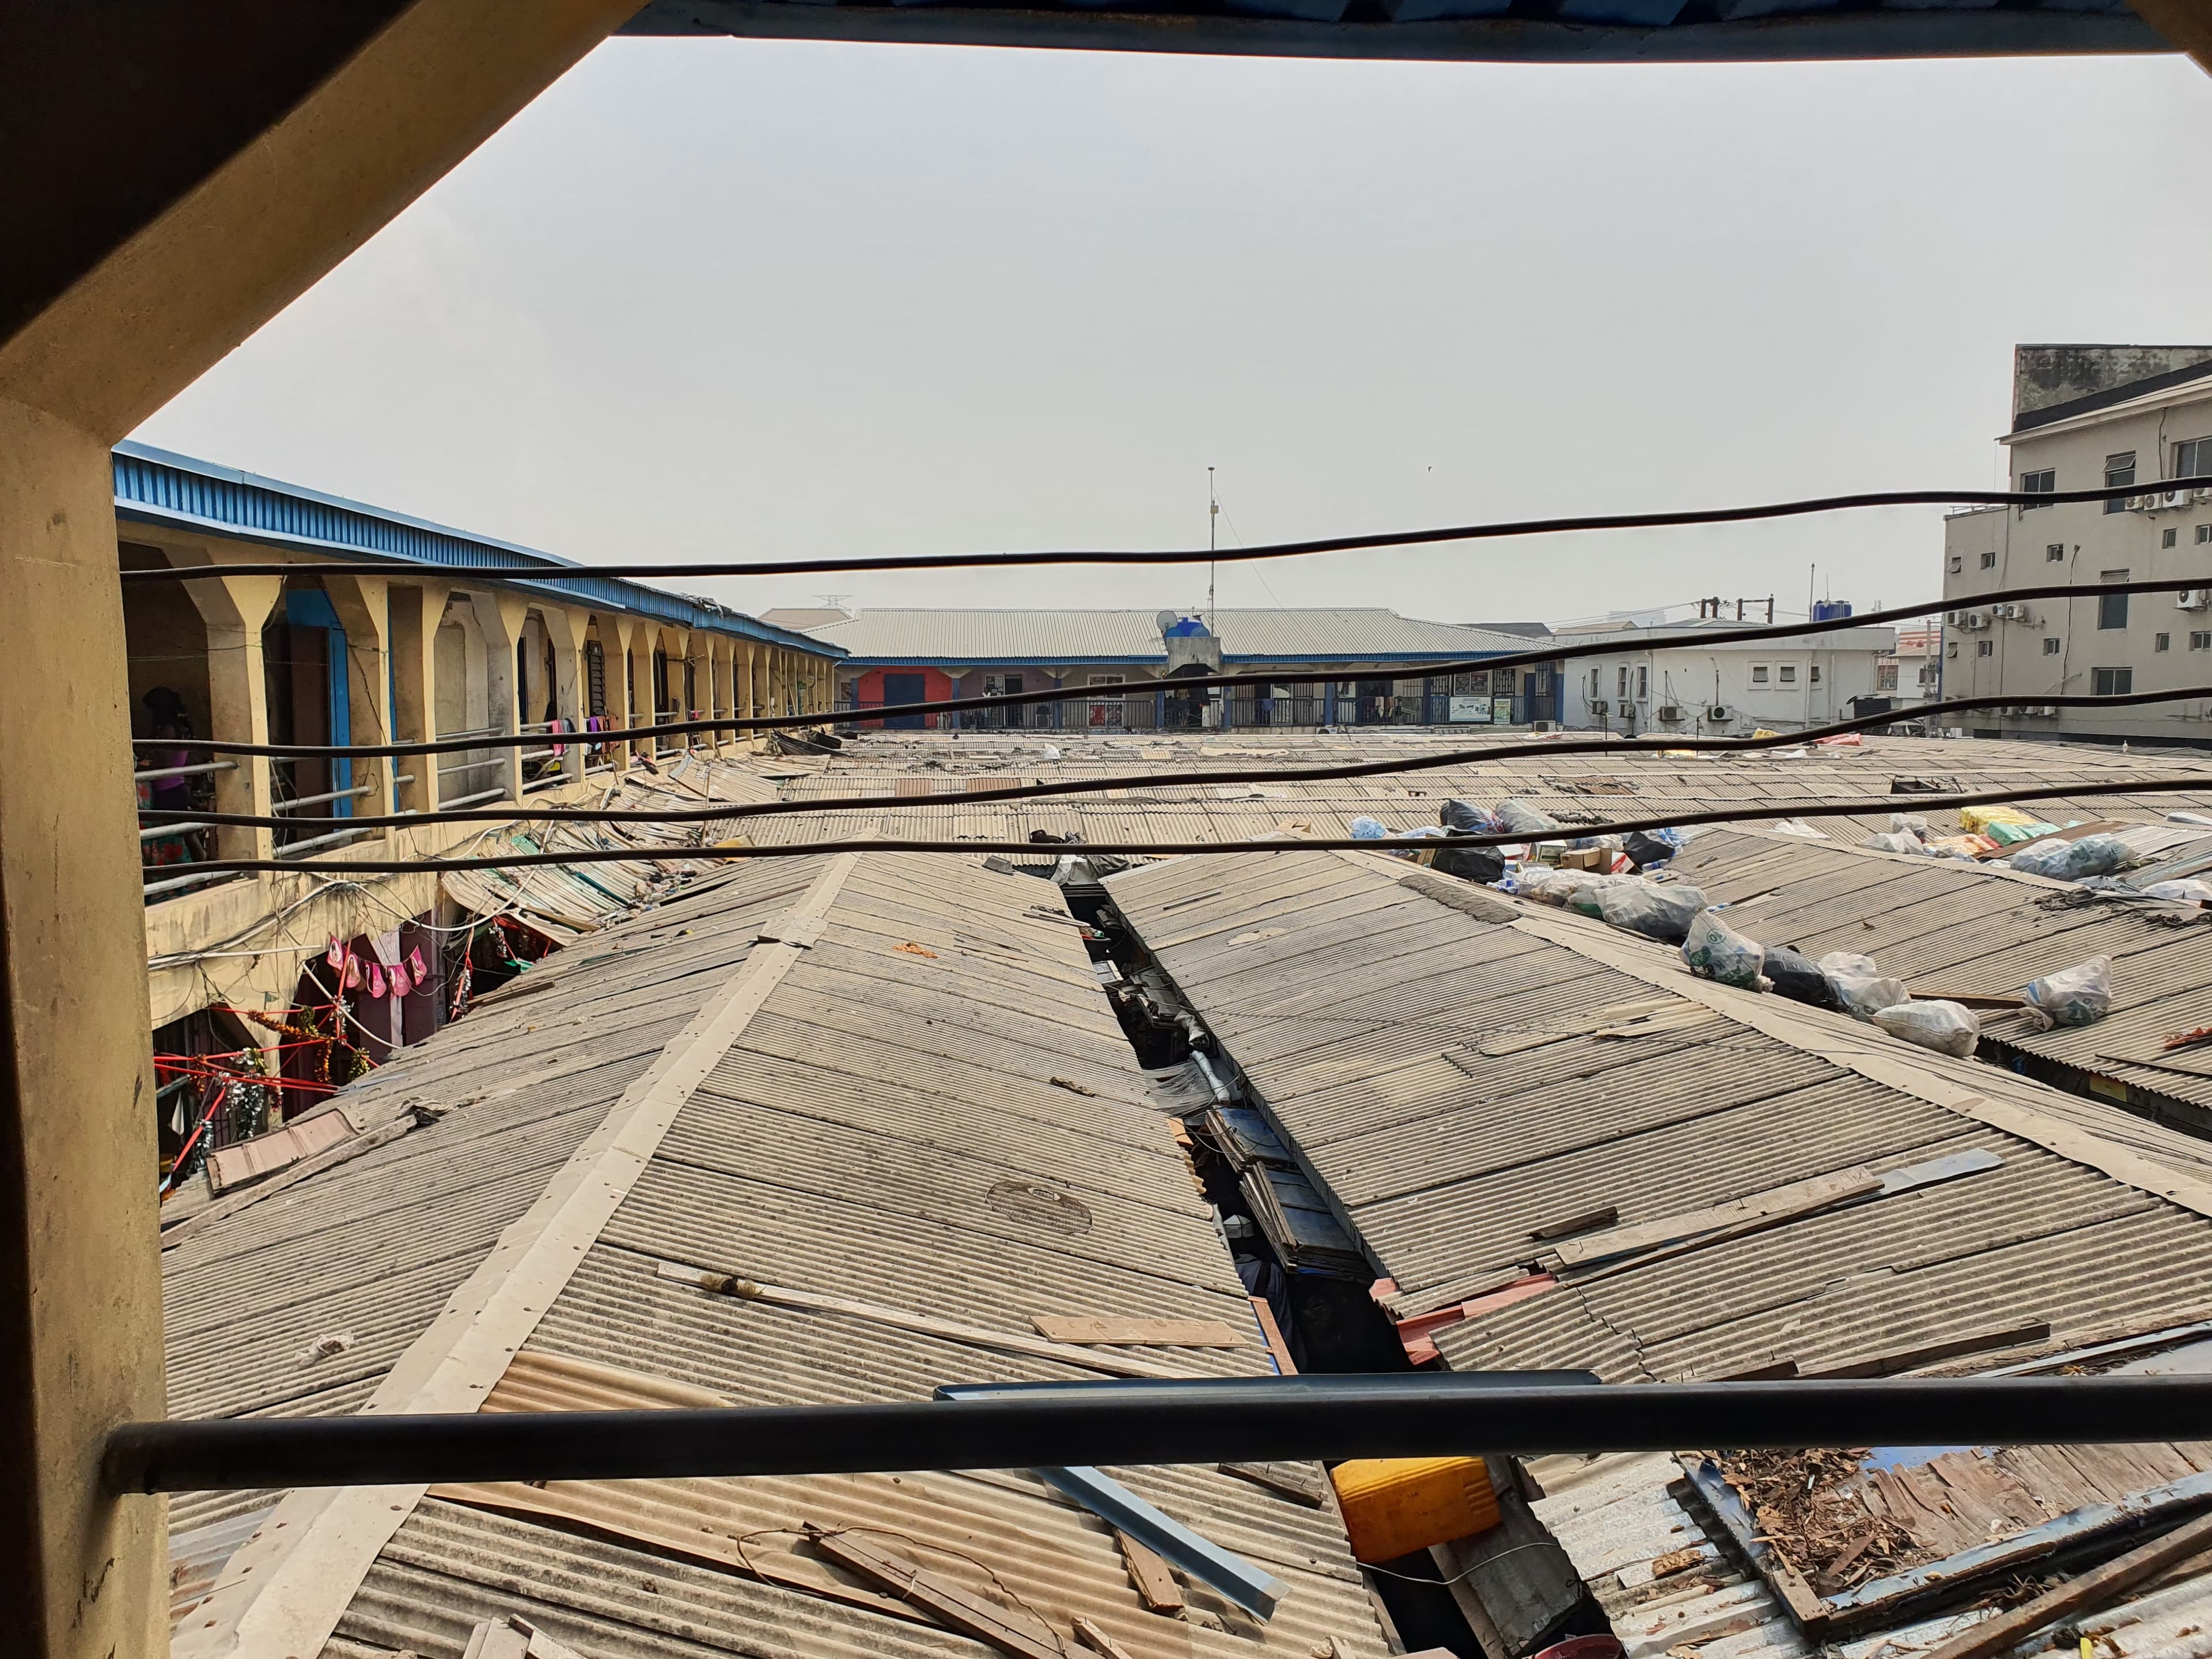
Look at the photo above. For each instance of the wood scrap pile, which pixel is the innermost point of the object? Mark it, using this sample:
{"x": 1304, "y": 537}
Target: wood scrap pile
{"x": 1809, "y": 1507}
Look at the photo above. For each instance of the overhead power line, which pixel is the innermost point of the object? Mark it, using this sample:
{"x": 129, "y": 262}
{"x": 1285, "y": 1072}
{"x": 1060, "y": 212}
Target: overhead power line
{"x": 1812, "y": 805}
{"x": 720, "y": 810}
{"x": 1467, "y": 532}
{"x": 1556, "y": 651}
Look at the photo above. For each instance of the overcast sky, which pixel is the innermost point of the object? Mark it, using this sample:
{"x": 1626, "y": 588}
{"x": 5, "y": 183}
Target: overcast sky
{"x": 725, "y": 299}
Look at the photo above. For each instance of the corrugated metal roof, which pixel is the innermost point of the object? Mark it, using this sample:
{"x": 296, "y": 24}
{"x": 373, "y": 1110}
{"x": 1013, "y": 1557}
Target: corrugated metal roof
{"x": 895, "y": 1124}
{"x": 989, "y": 638}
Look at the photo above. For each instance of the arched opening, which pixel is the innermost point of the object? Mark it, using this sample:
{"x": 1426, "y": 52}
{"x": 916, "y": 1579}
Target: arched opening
{"x": 464, "y": 687}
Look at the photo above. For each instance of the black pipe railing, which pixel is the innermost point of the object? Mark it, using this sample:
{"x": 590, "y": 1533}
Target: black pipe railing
{"x": 1115, "y": 1423}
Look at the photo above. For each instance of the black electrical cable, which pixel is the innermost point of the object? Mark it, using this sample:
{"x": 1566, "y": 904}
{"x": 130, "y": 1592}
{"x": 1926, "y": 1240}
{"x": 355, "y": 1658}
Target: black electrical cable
{"x": 1254, "y": 1419}
{"x": 1647, "y": 745}
{"x": 1254, "y": 677}
{"x": 1196, "y": 556}
{"x": 2199, "y": 784}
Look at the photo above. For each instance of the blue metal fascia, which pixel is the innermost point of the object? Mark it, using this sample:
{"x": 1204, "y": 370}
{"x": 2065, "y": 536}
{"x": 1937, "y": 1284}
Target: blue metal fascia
{"x": 1311, "y": 659}
{"x": 157, "y": 486}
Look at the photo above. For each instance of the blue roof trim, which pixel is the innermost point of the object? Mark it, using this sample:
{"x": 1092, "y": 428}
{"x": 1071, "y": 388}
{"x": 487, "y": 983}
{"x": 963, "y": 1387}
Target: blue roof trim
{"x": 156, "y": 486}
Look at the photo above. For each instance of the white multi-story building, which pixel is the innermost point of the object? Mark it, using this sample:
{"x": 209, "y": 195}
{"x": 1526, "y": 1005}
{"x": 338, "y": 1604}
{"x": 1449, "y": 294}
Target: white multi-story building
{"x": 2082, "y": 416}
{"x": 1911, "y": 674}
{"x": 1668, "y": 679}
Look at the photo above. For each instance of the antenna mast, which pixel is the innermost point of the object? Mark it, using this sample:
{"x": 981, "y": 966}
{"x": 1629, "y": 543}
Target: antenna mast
{"x": 1212, "y": 518}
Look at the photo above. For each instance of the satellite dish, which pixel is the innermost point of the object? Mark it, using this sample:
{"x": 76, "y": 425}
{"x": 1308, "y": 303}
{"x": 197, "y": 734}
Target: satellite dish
{"x": 1164, "y": 621}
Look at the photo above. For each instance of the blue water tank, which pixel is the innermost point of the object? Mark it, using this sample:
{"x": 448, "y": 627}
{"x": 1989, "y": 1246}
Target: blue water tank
{"x": 1830, "y": 609}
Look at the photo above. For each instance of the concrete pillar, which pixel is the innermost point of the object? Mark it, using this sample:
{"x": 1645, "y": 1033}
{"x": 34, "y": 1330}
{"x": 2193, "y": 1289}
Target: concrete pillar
{"x": 235, "y": 610}
{"x": 80, "y": 1276}
{"x": 615, "y": 635}
{"x": 718, "y": 662}
{"x": 748, "y": 684}
{"x": 500, "y": 615}
{"x": 360, "y": 602}
{"x": 699, "y": 662}
{"x": 641, "y": 645}
{"x": 416, "y": 611}
{"x": 566, "y": 628}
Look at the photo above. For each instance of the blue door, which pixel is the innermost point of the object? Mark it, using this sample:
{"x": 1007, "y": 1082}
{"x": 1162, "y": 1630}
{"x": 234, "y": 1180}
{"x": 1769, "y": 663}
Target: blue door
{"x": 905, "y": 688}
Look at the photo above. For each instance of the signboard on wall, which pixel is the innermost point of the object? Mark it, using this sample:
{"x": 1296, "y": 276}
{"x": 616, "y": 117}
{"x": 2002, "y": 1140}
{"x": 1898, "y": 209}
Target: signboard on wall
{"x": 1471, "y": 709}
{"x": 1501, "y": 710}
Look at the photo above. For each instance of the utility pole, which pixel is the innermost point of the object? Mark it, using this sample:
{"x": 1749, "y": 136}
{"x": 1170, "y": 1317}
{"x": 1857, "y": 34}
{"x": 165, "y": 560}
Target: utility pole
{"x": 1212, "y": 518}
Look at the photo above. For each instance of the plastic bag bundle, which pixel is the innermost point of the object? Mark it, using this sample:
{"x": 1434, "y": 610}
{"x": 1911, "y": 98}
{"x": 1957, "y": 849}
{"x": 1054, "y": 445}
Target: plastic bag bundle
{"x": 1970, "y": 847}
{"x": 1546, "y": 886}
{"x": 1860, "y": 988}
{"x": 1909, "y": 823}
{"x": 1466, "y": 817}
{"x": 2189, "y": 891}
{"x": 1646, "y": 847}
{"x": 2011, "y": 834}
{"x": 1715, "y": 950}
{"x": 2081, "y": 995}
{"x": 1051, "y": 753}
{"x": 1367, "y": 830}
{"x": 1945, "y": 1027}
{"x": 1660, "y": 912}
{"x": 1523, "y": 819}
{"x": 2072, "y": 861}
{"x": 1979, "y": 818}
{"x": 1897, "y": 840}
{"x": 1581, "y": 889}
{"x": 1796, "y": 978}
{"x": 1484, "y": 864}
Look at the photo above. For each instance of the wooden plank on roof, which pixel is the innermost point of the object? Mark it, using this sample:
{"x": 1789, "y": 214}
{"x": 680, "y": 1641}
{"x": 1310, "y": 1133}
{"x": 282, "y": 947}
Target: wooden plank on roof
{"x": 952, "y": 1604}
{"x": 1139, "y": 1333}
{"x": 1151, "y": 1577}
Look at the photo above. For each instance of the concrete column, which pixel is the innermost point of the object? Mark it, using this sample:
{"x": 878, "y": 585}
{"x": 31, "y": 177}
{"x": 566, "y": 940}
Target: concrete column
{"x": 719, "y": 663}
{"x": 567, "y": 629}
{"x": 360, "y": 604}
{"x": 80, "y": 1274}
{"x": 643, "y": 639}
{"x": 616, "y": 632}
{"x": 235, "y": 609}
{"x": 748, "y": 684}
{"x": 416, "y": 611}
{"x": 501, "y": 616}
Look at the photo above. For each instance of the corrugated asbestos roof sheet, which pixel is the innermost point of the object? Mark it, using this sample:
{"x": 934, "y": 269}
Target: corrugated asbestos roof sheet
{"x": 934, "y": 1111}
{"x": 1460, "y": 1074}
{"x": 1346, "y": 634}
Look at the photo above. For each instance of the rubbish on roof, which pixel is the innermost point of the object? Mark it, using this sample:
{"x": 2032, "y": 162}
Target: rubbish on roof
{"x": 2006, "y": 834}
{"x": 1252, "y": 1588}
{"x": 1973, "y": 847}
{"x": 1466, "y": 817}
{"x": 1302, "y": 1483}
{"x": 1519, "y": 818}
{"x": 1393, "y": 1506}
{"x": 777, "y": 1296}
{"x": 1945, "y": 1027}
{"x": 513, "y": 1639}
{"x": 1716, "y": 951}
{"x": 1897, "y": 840}
{"x": 1860, "y": 988}
{"x": 1795, "y": 977}
{"x": 1139, "y": 1333}
{"x": 2080, "y": 995}
{"x": 2072, "y": 861}
{"x": 1088, "y": 1633}
{"x": 1151, "y": 1577}
{"x": 1645, "y": 847}
{"x": 2093, "y": 1589}
{"x": 1655, "y": 912}
{"x": 1366, "y": 828}
{"x": 2187, "y": 891}
{"x": 1020, "y": 1631}
{"x": 1979, "y": 818}
{"x": 1482, "y": 864}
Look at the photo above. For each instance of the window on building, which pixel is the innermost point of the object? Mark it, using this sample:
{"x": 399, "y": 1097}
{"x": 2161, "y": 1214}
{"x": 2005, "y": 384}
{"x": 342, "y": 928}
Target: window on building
{"x": 1790, "y": 673}
{"x": 2112, "y": 682}
{"x": 2167, "y": 539}
{"x": 1816, "y": 673}
{"x": 1759, "y": 673}
{"x": 1985, "y": 648}
{"x": 1642, "y": 682}
{"x": 1108, "y": 679}
{"x": 1927, "y": 674}
{"x": 2204, "y": 532}
{"x": 2192, "y": 459}
{"x": 2055, "y": 553}
{"x": 1951, "y": 650}
{"x": 1989, "y": 561}
{"x": 2050, "y": 646}
{"x": 2111, "y": 608}
{"x": 2037, "y": 483}
{"x": 1621, "y": 681}
{"x": 1958, "y": 563}
{"x": 2161, "y": 641}
{"x": 1595, "y": 682}
{"x": 2119, "y": 470}
{"x": 2201, "y": 640}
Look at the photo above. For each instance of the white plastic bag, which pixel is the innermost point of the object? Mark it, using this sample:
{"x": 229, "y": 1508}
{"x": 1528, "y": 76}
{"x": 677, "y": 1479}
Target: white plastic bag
{"x": 1367, "y": 830}
{"x": 2072, "y": 861}
{"x": 2080, "y": 995}
{"x": 2190, "y": 891}
{"x": 1522, "y": 819}
{"x": 1714, "y": 950}
{"x": 1945, "y": 1027}
{"x": 1898, "y": 840}
{"x": 1581, "y": 889}
{"x": 1656, "y": 912}
{"x": 1540, "y": 882}
{"x": 1861, "y": 987}
{"x": 1051, "y": 753}
{"x": 1909, "y": 823}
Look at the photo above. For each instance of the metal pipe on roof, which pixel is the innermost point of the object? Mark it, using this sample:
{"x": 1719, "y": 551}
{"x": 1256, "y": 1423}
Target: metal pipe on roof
{"x": 1244, "y": 1419}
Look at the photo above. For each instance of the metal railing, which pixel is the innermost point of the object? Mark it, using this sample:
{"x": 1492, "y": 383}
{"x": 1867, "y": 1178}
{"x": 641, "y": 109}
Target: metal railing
{"x": 156, "y": 882}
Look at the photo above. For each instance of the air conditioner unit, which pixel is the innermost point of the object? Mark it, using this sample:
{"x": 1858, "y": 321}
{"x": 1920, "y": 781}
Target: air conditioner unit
{"x": 1719, "y": 715}
{"x": 2194, "y": 598}
{"x": 2170, "y": 499}
{"x": 2007, "y": 611}
{"x": 1599, "y": 705}
{"x": 1953, "y": 618}
{"x": 1668, "y": 711}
